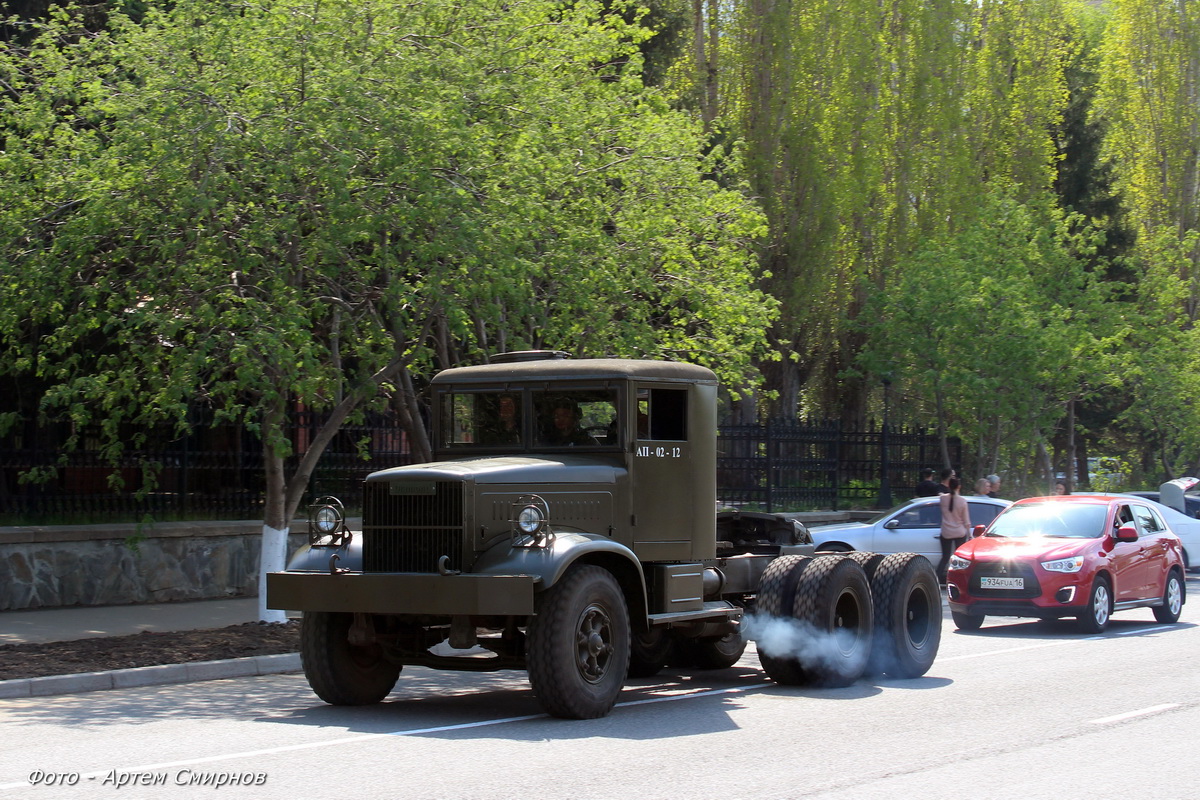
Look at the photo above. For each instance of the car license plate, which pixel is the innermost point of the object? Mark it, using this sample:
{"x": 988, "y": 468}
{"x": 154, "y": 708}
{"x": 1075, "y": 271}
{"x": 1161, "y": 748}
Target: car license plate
{"x": 1001, "y": 583}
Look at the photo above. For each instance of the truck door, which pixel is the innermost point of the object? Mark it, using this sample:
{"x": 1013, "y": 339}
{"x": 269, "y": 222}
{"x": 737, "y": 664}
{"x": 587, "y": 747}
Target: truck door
{"x": 673, "y": 473}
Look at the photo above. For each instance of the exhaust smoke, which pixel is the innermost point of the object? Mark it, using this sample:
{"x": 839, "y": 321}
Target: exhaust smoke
{"x": 786, "y": 638}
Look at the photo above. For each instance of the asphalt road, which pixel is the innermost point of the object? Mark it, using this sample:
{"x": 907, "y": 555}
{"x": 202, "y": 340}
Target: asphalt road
{"x": 1018, "y": 709}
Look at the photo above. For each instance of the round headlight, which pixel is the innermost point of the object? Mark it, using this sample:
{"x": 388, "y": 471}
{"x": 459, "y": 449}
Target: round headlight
{"x": 327, "y": 519}
{"x": 530, "y": 520}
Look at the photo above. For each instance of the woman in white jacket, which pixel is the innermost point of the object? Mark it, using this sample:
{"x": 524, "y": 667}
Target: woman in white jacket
{"x": 956, "y": 525}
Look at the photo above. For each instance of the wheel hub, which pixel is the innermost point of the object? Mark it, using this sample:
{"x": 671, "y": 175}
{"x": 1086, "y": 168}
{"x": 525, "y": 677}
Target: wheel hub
{"x": 594, "y": 643}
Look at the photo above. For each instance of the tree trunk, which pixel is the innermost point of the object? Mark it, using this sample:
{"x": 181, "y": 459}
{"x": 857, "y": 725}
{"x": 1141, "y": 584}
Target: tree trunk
{"x": 940, "y": 408}
{"x": 1070, "y": 459}
{"x": 409, "y": 406}
{"x": 273, "y": 553}
{"x": 283, "y": 496}
{"x": 1044, "y": 463}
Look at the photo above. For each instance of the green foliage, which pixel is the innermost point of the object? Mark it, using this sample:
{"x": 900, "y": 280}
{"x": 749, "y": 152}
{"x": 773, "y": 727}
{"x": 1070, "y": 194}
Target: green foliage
{"x": 999, "y": 323}
{"x": 291, "y": 202}
{"x": 1149, "y": 87}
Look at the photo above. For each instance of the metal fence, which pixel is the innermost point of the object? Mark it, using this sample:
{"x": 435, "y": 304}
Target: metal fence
{"x": 216, "y": 472}
{"x": 797, "y": 465}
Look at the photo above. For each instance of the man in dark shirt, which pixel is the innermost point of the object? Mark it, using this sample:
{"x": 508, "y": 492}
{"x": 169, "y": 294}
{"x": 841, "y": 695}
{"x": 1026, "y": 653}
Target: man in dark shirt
{"x": 928, "y": 487}
{"x": 944, "y": 480}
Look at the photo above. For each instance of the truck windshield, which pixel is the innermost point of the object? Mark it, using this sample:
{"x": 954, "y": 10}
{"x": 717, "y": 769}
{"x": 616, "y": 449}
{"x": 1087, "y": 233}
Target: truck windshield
{"x": 516, "y": 420}
{"x": 483, "y": 419}
{"x": 576, "y": 417}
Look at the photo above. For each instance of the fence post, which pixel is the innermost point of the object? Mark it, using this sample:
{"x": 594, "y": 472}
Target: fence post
{"x": 885, "y": 465}
{"x": 837, "y": 463}
{"x": 770, "y": 466}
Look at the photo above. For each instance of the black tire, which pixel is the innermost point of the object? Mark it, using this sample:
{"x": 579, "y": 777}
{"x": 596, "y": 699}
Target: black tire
{"x": 1099, "y": 608}
{"x": 340, "y": 673}
{"x": 1173, "y": 597}
{"x": 966, "y": 622}
{"x": 833, "y": 602}
{"x": 907, "y": 607}
{"x": 777, "y": 588}
{"x": 868, "y": 561}
{"x": 773, "y": 631}
{"x": 649, "y": 652}
{"x": 713, "y": 652}
{"x": 577, "y": 649}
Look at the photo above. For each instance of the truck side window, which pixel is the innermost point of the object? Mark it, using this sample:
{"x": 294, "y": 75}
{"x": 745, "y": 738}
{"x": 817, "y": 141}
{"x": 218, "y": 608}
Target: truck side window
{"x": 662, "y": 414}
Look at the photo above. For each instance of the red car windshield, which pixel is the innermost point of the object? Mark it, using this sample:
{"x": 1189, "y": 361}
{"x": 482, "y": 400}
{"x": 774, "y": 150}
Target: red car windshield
{"x": 1059, "y": 520}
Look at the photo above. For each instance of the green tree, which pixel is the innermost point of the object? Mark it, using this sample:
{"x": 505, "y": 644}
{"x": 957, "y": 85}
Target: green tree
{"x": 320, "y": 202}
{"x": 1150, "y": 98}
{"x": 870, "y": 130}
{"x": 994, "y": 328}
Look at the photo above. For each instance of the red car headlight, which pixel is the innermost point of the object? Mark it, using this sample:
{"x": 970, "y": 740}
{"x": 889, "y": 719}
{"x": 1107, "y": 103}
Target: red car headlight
{"x": 1072, "y": 564}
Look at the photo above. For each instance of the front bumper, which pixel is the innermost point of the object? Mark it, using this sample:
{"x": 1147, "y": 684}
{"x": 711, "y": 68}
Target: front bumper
{"x": 1043, "y": 599}
{"x": 1016, "y": 608}
{"x": 402, "y": 593}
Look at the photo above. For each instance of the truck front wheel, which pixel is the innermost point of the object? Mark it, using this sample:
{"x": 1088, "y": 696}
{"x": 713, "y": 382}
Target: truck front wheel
{"x": 340, "y": 673}
{"x": 577, "y": 649}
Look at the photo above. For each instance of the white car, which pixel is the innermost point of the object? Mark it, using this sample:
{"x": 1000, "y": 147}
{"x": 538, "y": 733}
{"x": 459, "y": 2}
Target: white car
{"x": 912, "y": 527}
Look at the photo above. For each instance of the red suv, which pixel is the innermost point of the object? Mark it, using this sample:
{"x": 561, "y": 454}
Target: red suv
{"x": 1082, "y": 556}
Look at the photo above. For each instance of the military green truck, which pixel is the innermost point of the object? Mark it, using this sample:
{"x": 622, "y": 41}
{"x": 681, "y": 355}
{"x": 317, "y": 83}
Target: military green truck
{"x": 568, "y": 526}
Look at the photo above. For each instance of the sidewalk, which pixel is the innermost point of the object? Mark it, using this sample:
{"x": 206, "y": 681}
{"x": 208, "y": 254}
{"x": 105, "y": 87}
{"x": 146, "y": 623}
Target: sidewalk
{"x": 86, "y": 622}
{"x": 83, "y": 622}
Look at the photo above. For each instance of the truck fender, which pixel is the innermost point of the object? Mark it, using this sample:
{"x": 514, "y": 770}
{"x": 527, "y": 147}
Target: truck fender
{"x": 549, "y": 563}
{"x": 322, "y": 559}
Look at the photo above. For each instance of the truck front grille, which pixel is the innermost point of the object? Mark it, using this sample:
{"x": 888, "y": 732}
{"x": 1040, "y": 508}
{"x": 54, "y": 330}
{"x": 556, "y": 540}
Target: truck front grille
{"x": 408, "y": 526}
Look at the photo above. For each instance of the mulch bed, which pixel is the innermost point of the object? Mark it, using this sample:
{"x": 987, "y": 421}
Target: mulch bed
{"x": 147, "y": 649}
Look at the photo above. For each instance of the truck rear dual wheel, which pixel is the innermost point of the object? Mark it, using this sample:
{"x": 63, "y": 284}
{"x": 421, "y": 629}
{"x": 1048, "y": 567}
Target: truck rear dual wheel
{"x": 776, "y": 596}
{"x": 649, "y": 652}
{"x": 827, "y": 639}
{"x": 907, "y": 605}
{"x": 833, "y": 599}
{"x": 340, "y": 673}
{"x": 711, "y": 652}
{"x": 577, "y": 648}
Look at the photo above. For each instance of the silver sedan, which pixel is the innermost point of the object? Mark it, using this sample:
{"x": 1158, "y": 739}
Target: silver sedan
{"x": 912, "y": 527}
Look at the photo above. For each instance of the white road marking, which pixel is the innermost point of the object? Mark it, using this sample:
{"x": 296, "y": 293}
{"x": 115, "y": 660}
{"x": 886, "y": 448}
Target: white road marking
{"x": 1039, "y": 646}
{"x": 1055, "y": 643}
{"x": 1131, "y": 714}
{"x": 370, "y": 736}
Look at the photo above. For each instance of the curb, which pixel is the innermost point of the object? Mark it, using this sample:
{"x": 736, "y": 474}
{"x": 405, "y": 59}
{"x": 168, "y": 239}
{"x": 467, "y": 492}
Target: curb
{"x": 150, "y": 676}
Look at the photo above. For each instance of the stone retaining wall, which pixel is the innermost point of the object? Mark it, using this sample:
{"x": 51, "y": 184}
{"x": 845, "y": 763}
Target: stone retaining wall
{"x": 104, "y": 565}
{"x": 100, "y": 565}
